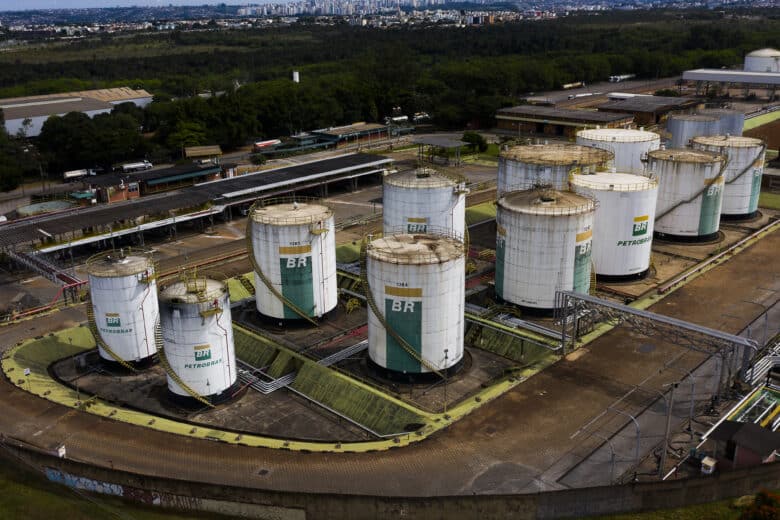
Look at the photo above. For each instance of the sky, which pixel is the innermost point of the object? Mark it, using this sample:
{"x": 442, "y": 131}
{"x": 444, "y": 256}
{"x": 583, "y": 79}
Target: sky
{"x": 16, "y": 5}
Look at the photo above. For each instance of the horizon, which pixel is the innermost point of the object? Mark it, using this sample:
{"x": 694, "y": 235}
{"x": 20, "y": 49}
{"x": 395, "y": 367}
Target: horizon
{"x": 34, "y": 5}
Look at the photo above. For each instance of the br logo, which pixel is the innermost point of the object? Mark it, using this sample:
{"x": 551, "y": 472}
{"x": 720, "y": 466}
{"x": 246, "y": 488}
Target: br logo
{"x": 714, "y": 190}
{"x": 112, "y": 320}
{"x": 402, "y": 306}
{"x": 202, "y": 353}
{"x": 293, "y": 262}
{"x": 417, "y": 228}
{"x": 640, "y": 228}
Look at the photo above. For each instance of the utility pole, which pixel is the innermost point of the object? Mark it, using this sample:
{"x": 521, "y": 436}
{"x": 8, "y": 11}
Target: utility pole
{"x": 662, "y": 462}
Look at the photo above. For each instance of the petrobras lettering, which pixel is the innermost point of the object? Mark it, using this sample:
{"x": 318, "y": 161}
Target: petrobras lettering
{"x": 203, "y": 365}
{"x": 639, "y": 241}
{"x": 115, "y": 331}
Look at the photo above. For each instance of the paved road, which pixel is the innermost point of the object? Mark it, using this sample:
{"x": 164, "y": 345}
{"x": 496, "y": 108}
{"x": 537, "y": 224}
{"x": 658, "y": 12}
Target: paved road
{"x": 519, "y": 443}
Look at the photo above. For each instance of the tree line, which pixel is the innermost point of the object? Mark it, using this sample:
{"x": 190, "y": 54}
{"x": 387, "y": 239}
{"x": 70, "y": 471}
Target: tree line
{"x": 459, "y": 76}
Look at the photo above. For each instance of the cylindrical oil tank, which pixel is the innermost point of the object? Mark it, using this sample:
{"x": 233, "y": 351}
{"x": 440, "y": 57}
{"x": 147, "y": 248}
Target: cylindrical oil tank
{"x": 417, "y": 283}
{"x": 629, "y": 146}
{"x": 197, "y": 332}
{"x": 763, "y": 60}
{"x": 743, "y": 173}
{"x": 521, "y": 167}
{"x": 123, "y": 291}
{"x": 690, "y": 193}
{"x": 730, "y": 122}
{"x": 623, "y": 226}
{"x": 418, "y": 200}
{"x": 543, "y": 245}
{"x": 684, "y": 127}
{"x": 294, "y": 245}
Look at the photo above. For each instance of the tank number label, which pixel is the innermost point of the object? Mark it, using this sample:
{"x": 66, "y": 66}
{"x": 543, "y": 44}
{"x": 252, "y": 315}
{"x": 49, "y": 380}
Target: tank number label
{"x": 295, "y": 243}
{"x": 401, "y": 284}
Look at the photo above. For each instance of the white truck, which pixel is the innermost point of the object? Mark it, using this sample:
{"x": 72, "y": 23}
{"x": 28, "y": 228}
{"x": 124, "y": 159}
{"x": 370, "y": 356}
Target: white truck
{"x": 72, "y": 175}
{"x": 136, "y": 166}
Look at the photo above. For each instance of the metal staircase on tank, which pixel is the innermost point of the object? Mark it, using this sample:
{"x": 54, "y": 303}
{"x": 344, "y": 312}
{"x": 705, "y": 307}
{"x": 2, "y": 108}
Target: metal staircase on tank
{"x": 93, "y": 328}
{"x": 379, "y": 316}
{"x": 248, "y": 285}
{"x": 160, "y": 345}
{"x": 251, "y": 253}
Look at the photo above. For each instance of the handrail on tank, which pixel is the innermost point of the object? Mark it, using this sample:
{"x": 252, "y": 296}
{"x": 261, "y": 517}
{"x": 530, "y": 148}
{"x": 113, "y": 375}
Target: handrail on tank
{"x": 431, "y": 232}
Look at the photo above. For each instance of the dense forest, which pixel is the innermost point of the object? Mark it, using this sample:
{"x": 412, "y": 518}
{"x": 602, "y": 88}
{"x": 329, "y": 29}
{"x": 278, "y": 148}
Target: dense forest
{"x": 458, "y": 75}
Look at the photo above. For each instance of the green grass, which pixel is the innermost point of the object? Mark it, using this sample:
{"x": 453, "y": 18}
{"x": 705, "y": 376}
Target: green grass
{"x": 24, "y": 493}
{"x": 348, "y": 253}
{"x": 723, "y": 510}
{"x": 769, "y": 200}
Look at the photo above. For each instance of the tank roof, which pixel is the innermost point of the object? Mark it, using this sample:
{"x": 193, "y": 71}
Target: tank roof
{"x": 719, "y": 111}
{"x": 619, "y": 135}
{"x": 557, "y": 154}
{"x": 415, "y": 249}
{"x": 764, "y": 53}
{"x": 291, "y": 213}
{"x": 547, "y": 202}
{"x": 731, "y": 141}
{"x": 693, "y": 117}
{"x": 115, "y": 265}
{"x": 198, "y": 290}
{"x": 688, "y": 155}
{"x": 420, "y": 178}
{"x": 614, "y": 181}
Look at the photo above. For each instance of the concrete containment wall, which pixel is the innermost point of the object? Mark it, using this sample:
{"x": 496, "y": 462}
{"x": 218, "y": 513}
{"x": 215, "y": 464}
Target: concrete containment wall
{"x": 255, "y": 503}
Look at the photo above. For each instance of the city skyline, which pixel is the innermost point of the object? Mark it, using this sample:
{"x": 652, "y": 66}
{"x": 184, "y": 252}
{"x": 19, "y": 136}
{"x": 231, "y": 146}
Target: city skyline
{"x": 8, "y": 5}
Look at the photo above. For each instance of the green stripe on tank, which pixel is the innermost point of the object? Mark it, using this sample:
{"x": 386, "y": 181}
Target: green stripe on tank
{"x": 582, "y": 267}
{"x": 405, "y": 318}
{"x": 499, "y": 276}
{"x": 755, "y": 190}
{"x": 297, "y": 285}
{"x": 709, "y": 217}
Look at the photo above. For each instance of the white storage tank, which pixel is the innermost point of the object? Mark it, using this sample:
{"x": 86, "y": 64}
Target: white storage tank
{"x": 623, "y": 226}
{"x": 123, "y": 293}
{"x": 417, "y": 282}
{"x": 743, "y": 172}
{"x": 197, "y": 332}
{"x": 690, "y": 193}
{"x": 763, "y": 60}
{"x": 417, "y": 201}
{"x": 294, "y": 246}
{"x": 521, "y": 167}
{"x": 543, "y": 244}
{"x": 629, "y": 146}
{"x": 684, "y": 127}
{"x": 730, "y": 122}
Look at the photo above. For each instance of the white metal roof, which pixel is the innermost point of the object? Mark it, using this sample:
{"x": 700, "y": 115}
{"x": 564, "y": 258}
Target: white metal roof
{"x": 733, "y": 76}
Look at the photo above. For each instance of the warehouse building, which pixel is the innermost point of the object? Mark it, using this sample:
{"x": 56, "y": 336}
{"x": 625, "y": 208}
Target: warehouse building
{"x": 649, "y": 110}
{"x": 761, "y": 70}
{"x": 28, "y": 114}
{"x": 556, "y": 122}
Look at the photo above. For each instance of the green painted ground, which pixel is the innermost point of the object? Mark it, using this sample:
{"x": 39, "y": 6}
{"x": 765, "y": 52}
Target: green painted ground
{"x": 769, "y": 200}
{"x": 754, "y": 122}
{"x": 480, "y": 212}
{"x": 29, "y": 495}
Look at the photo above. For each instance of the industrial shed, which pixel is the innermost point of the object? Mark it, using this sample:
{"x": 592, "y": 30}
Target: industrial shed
{"x": 556, "y": 122}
